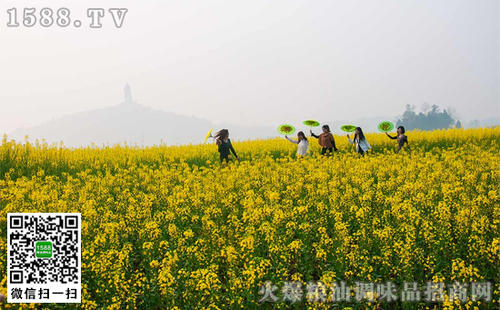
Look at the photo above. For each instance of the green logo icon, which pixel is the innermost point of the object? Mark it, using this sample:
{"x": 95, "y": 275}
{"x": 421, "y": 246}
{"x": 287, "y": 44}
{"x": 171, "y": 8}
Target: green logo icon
{"x": 43, "y": 249}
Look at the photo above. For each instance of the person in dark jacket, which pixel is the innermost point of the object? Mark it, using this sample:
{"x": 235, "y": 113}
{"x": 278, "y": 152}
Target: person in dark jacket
{"x": 225, "y": 146}
{"x": 401, "y": 137}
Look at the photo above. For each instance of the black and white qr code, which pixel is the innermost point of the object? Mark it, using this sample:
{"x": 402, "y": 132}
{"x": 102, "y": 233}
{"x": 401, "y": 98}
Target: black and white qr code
{"x": 44, "y": 257}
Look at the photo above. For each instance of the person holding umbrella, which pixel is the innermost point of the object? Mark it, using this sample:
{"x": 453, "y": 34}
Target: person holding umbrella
{"x": 401, "y": 137}
{"x": 362, "y": 145}
{"x": 225, "y": 146}
{"x": 325, "y": 140}
{"x": 303, "y": 144}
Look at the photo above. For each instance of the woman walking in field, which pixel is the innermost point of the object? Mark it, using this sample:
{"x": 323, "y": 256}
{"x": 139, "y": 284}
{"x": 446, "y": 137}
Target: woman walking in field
{"x": 401, "y": 137}
{"x": 362, "y": 145}
{"x": 225, "y": 146}
{"x": 326, "y": 140}
{"x": 303, "y": 144}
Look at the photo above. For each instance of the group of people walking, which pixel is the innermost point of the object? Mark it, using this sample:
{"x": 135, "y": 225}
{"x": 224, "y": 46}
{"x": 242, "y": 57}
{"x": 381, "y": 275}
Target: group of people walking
{"x": 325, "y": 140}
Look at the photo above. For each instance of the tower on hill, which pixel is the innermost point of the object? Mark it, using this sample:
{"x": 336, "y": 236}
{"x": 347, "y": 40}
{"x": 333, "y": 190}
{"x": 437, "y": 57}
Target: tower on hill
{"x": 128, "y": 95}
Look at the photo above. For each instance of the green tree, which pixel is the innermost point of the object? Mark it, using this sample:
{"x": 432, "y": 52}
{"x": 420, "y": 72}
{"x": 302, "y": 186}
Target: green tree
{"x": 430, "y": 120}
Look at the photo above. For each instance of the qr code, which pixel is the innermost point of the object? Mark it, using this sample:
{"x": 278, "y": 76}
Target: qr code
{"x": 44, "y": 257}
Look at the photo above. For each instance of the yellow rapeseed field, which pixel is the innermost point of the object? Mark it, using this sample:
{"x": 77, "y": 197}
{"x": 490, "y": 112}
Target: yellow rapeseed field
{"x": 168, "y": 228}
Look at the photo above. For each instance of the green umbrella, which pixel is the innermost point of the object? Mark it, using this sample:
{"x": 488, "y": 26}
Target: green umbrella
{"x": 348, "y": 128}
{"x": 311, "y": 123}
{"x": 385, "y": 126}
{"x": 286, "y": 129}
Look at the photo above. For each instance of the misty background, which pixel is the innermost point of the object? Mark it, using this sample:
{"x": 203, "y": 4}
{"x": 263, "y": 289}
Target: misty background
{"x": 246, "y": 65}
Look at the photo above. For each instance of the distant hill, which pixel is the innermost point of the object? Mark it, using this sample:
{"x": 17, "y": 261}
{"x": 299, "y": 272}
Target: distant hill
{"x": 487, "y": 122}
{"x": 132, "y": 123}
{"x": 137, "y": 124}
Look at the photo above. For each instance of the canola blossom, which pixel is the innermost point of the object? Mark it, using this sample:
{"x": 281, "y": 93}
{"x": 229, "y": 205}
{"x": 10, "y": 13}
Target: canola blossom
{"x": 166, "y": 227}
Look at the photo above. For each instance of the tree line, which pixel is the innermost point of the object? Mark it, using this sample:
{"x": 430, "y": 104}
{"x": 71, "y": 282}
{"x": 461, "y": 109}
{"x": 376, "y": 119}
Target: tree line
{"x": 434, "y": 118}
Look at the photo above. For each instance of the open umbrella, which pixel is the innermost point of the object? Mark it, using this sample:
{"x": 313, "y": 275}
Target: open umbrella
{"x": 311, "y": 123}
{"x": 208, "y": 135}
{"x": 385, "y": 126}
{"x": 348, "y": 128}
{"x": 286, "y": 129}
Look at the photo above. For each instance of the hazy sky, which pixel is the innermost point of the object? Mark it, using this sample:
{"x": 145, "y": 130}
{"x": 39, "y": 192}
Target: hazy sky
{"x": 256, "y": 62}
